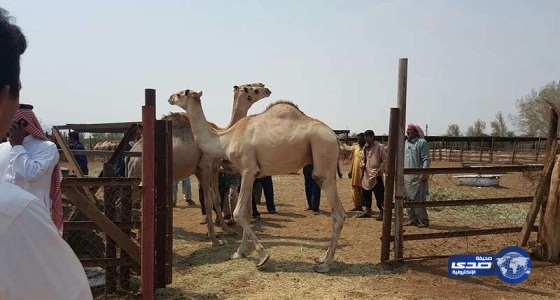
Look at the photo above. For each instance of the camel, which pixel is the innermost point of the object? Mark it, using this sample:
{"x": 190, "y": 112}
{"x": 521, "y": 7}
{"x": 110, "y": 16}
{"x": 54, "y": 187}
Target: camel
{"x": 189, "y": 159}
{"x": 280, "y": 140}
{"x": 345, "y": 151}
{"x": 106, "y": 145}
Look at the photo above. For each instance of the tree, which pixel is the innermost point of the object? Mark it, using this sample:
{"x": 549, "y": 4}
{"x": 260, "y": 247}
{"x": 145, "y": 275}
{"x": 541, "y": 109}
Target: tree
{"x": 533, "y": 112}
{"x": 499, "y": 127}
{"x": 453, "y": 130}
{"x": 477, "y": 129}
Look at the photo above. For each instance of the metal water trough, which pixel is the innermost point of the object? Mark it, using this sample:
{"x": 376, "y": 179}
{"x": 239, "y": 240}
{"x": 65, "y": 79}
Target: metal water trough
{"x": 479, "y": 180}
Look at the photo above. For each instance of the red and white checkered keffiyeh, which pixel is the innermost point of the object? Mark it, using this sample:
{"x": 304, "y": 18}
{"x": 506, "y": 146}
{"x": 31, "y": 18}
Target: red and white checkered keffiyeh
{"x": 34, "y": 129}
{"x": 416, "y": 128}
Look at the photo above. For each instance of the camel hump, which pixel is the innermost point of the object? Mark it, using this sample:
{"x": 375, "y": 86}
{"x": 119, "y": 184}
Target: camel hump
{"x": 178, "y": 119}
{"x": 281, "y": 103}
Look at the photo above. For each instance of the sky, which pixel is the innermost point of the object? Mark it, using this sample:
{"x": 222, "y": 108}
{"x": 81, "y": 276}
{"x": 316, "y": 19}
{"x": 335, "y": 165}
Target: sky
{"x": 90, "y": 61}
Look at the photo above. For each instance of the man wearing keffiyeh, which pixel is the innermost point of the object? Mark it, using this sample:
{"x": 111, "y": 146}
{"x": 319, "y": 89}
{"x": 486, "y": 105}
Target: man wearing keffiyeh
{"x": 32, "y": 162}
{"x": 416, "y": 155}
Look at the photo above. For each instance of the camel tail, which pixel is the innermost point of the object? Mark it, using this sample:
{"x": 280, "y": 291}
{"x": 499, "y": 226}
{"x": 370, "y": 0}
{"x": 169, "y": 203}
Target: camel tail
{"x": 338, "y": 169}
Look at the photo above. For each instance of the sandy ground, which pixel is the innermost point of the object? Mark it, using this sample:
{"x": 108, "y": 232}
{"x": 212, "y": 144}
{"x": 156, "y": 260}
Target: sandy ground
{"x": 294, "y": 237}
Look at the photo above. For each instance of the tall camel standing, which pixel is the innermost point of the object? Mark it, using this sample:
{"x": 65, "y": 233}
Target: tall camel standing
{"x": 280, "y": 140}
{"x": 189, "y": 159}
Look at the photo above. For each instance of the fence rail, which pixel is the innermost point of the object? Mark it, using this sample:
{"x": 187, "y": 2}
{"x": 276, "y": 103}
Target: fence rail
{"x": 462, "y": 233}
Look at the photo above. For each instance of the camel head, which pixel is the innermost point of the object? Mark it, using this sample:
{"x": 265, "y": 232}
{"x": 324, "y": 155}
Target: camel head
{"x": 248, "y": 94}
{"x": 181, "y": 98}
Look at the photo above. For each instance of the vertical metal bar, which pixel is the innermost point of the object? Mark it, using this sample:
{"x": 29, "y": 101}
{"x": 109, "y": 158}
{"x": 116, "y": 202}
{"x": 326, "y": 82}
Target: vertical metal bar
{"x": 169, "y": 191}
{"x": 161, "y": 204}
{"x": 148, "y": 186}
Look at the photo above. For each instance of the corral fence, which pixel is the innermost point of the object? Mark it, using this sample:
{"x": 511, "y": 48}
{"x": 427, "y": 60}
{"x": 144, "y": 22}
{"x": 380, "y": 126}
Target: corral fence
{"x": 454, "y": 217}
{"x": 102, "y": 213}
{"x": 120, "y": 231}
{"x": 490, "y": 150}
{"x": 482, "y": 149}
{"x": 463, "y": 225}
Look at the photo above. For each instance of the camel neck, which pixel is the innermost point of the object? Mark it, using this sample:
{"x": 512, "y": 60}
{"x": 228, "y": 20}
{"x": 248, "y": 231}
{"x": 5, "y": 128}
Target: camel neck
{"x": 208, "y": 139}
{"x": 237, "y": 112}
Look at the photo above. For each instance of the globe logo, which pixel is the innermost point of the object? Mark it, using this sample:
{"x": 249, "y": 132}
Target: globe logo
{"x": 513, "y": 265}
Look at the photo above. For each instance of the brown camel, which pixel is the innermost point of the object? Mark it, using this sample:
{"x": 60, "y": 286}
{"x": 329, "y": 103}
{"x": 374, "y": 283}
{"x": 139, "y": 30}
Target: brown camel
{"x": 189, "y": 159}
{"x": 280, "y": 140}
{"x": 106, "y": 145}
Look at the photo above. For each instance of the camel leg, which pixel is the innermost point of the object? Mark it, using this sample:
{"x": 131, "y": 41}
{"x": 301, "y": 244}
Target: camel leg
{"x": 208, "y": 196}
{"x": 338, "y": 216}
{"x": 209, "y": 172}
{"x": 244, "y": 248}
{"x": 242, "y": 216}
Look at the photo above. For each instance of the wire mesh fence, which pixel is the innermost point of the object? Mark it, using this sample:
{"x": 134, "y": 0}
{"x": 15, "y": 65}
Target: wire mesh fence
{"x": 108, "y": 267}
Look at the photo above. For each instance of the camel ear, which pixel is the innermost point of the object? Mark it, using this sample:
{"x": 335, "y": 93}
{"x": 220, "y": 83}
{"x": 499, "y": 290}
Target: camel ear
{"x": 187, "y": 92}
{"x": 200, "y": 94}
{"x": 235, "y": 87}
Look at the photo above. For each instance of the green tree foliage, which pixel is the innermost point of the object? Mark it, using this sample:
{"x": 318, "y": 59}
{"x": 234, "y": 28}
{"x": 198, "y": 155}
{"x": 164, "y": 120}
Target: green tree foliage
{"x": 453, "y": 130}
{"x": 533, "y": 112}
{"x": 477, "y": 129}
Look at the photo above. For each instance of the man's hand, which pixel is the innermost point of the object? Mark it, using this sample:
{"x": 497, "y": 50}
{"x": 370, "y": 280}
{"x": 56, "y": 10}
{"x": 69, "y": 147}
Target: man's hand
{"x": 16, "y": 134}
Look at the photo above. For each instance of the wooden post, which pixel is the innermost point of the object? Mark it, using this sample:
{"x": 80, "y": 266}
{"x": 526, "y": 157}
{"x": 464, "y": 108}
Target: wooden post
{"x": 513, "y": 153}
{"x": 401, "y": 100}
{"x": 537, "y": 150}
{"x": 547, "y": 228}
{"x": 552, "y": 136}
{"x": 492, "y": 150}
{"x": 548, "y": 241}
{"x": 552, "y": 128}
{"x": 148, "y": 186}
{"x": 481, "y": 147}
{"x": 439, "y": 152}
{"x": 461, "y": 153}
{"x": 544, "y": 184}
{"x": 389, "y": 193}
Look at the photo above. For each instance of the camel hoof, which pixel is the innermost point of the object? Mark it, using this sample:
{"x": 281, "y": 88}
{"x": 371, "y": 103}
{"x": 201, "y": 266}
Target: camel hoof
{"x": 237, "y": 255}
{"x": 322, "y": 268}
{"x": 263, "y": 260}
{"x": 216, "y": 243}
{"x": 320, "y": 260}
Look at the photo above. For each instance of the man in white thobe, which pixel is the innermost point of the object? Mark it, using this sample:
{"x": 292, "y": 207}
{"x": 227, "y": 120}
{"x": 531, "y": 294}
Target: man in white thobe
{"x": 35, "y": 262}
{"x": 32, "y": 163}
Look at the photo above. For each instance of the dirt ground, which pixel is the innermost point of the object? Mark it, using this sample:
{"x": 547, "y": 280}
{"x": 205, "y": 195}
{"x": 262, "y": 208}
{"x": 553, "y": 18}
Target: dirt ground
{"x": 294, "y": 237}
